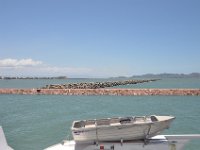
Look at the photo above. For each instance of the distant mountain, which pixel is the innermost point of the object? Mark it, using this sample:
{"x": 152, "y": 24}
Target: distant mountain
{"x": 169, "y": 75}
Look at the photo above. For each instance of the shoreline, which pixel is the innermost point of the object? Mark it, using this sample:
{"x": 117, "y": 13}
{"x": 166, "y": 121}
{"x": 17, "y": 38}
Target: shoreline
{"x": 104, "y": 91}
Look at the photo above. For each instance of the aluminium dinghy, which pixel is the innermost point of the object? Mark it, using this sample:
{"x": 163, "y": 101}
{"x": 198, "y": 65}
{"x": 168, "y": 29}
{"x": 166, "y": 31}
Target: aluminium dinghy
{"x": 119, "y": 128}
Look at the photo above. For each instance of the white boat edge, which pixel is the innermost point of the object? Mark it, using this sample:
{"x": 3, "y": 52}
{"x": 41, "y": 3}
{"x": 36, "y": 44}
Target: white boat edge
{"x": 3, "y": 142}
{"x": 164, "y": 142}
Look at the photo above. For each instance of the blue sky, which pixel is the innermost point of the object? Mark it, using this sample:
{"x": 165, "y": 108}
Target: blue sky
{"x": 99, "y": 38}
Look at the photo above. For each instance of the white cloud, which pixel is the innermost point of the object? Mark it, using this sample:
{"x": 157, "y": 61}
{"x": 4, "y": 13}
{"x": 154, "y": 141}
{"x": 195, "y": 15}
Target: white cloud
{"x": 30, "y": 67}
{"x": 19, "y": 63}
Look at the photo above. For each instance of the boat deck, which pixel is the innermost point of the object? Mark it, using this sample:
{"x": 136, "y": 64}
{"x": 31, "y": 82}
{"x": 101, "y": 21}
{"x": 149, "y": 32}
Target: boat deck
{"x": 160, "y": 142}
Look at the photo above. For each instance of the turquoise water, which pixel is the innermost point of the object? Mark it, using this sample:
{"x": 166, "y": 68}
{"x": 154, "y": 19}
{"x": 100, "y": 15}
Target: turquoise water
{"x": 34, "y": 122}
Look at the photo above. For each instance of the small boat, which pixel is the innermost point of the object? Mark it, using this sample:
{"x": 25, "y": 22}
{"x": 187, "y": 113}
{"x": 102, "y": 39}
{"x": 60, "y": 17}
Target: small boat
{"x": 119, "y": 128}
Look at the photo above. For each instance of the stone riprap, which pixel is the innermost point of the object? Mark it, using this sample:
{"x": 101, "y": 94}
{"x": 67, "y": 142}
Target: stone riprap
{"x": 95, "y": 85}
{"x": 121, "y": 92}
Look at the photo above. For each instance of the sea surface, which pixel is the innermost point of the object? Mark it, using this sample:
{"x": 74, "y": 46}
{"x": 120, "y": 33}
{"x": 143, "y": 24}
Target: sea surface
{"x": 34, "y": 122}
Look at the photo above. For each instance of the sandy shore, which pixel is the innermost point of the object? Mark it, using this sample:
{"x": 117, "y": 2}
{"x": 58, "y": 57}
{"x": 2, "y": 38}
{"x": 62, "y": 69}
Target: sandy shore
{"x": 125, "y": 92}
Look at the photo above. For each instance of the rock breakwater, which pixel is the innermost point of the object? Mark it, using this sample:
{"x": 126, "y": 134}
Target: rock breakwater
{"x": 95, "y": 85}
{"x": 121, "y": 92}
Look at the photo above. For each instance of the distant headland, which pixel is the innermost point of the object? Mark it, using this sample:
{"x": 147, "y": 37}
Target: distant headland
{"x": 170, "y": 75}
{"x": 165, "y": 75}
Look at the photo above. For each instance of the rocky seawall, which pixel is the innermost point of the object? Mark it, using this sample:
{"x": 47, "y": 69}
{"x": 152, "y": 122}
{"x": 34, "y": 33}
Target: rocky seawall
{"x": 95, "y": 85}
{"x": 120, "y": 92}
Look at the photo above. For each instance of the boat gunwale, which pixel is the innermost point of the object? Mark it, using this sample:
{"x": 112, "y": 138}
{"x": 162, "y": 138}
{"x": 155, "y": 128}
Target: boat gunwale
{"x": 112, "y": 126}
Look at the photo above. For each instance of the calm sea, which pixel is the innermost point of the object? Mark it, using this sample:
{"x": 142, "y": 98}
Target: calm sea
{"x": 34, "y": 122}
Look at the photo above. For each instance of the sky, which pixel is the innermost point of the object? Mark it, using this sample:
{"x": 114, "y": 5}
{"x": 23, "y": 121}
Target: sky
{"x": 99, "y": 38}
